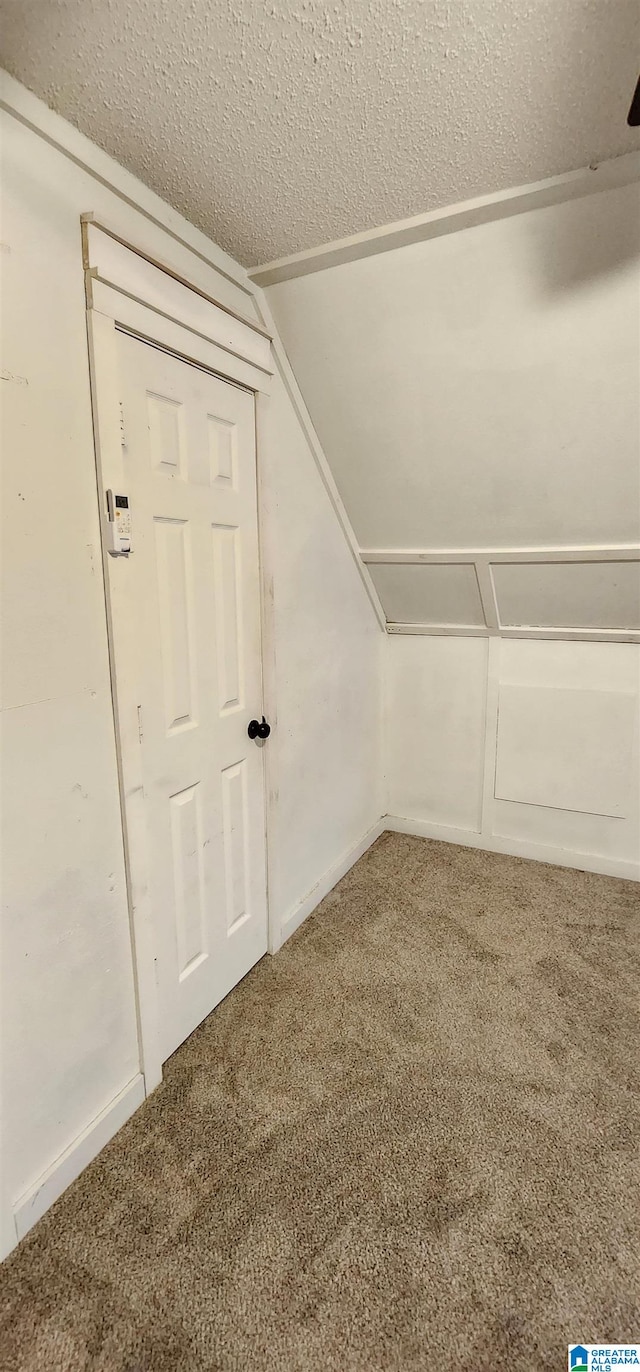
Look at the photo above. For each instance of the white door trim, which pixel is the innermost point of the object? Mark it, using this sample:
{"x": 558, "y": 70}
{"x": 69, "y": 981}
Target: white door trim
{"x": 33, "y": 114}
{"x": 112, "y": 307}
{"x": 109, "y": 261}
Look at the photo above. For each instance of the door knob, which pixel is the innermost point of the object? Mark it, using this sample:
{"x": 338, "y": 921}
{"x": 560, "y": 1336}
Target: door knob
{"x": 259, "y": 730}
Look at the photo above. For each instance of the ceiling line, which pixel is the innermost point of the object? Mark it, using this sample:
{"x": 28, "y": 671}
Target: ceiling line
{"x": 611, "y": 174}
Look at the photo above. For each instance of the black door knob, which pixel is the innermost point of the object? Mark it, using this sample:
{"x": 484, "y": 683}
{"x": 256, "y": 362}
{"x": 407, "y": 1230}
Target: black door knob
{"x": 259, "y": 730}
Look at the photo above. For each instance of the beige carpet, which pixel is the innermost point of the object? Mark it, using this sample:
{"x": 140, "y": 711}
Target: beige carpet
{"x": 410, "y": 1141}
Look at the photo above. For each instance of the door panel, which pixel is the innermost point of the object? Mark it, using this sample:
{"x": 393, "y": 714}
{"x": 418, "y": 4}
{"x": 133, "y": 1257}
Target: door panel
{"x": 193, "y": 578}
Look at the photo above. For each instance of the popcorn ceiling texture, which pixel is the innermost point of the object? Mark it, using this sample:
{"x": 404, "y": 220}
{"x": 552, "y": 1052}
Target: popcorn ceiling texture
{"x": 275, "y": 127}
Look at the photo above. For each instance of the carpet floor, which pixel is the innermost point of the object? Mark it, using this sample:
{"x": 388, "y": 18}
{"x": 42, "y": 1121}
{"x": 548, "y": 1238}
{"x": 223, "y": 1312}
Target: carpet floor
{"x": 408, "y": 1142}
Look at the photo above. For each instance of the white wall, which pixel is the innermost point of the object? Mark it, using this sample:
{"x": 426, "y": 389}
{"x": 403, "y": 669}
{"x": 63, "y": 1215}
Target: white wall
{"x": 434, "y": 722}
{"x": 521, "y": 746}
{"x": 327, "y": 771}
{"x": 69, "y": 1017}
{"x": 69, "y": 1025}
{"x": 480, "y": 390}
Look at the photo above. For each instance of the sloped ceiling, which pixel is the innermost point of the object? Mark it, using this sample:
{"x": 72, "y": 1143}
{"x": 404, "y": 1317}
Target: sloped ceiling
{"x": 479, "y": 391}
{"x": 276, "y": 127}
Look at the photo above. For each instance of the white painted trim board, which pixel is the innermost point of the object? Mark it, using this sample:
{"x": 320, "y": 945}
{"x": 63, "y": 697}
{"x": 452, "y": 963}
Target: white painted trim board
{"x": 24, "y": 106}
{"x": 317, "y": 452}
{"x": 534, "y": 852}
{"x": 305, "y": 907}
{"x": 573, "y": 185}
{"x": 483, "y": 560}
{"x": 33, "y": 1204}
{"x": 588, "y": 552}
{"x": 518, "y": 631}
{"x": 112, "y": 260}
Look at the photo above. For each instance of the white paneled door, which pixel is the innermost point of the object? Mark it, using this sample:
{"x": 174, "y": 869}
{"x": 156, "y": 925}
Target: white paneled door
{"x": 193, "y": 593}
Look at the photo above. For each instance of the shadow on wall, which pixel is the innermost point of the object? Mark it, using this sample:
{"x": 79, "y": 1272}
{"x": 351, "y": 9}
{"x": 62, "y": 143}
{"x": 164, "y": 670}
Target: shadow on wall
{"x": 578, "y": 246}
{"x": 590, "y": 239}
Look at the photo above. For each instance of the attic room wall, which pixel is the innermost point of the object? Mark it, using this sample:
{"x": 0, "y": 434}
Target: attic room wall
{"x": 69, "y": 1019}
{"x": 480, "y": 390}
{"x": 525, "y": 747}
{"x": 475, "y": 391}
{"x": 328, "y": 677}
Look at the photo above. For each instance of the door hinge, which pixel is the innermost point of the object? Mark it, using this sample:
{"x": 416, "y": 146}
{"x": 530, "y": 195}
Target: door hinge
{"x": 140, "y": 724}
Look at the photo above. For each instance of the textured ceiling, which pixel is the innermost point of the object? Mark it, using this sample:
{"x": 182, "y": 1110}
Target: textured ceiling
{"x": 279, "y": 126}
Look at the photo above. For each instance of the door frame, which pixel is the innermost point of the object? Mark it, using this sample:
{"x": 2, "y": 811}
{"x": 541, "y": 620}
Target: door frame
{"x": 126, "y": 291}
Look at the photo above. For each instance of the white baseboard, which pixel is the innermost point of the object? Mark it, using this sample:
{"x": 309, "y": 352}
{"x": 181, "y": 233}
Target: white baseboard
{"x": 33, "y": 1204}
{"x": 8, "y": 1236}
{"x": 295, "y": 918}
{"x": 535, "y": 852}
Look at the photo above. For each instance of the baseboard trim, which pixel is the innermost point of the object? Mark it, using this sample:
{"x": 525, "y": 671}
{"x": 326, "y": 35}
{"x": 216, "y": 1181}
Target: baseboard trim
{"x": 305, "y": 907}
{"x": 33, "y": 1204}
{"x": 8, "y": 1236}
{"x": 534, "y": 852}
